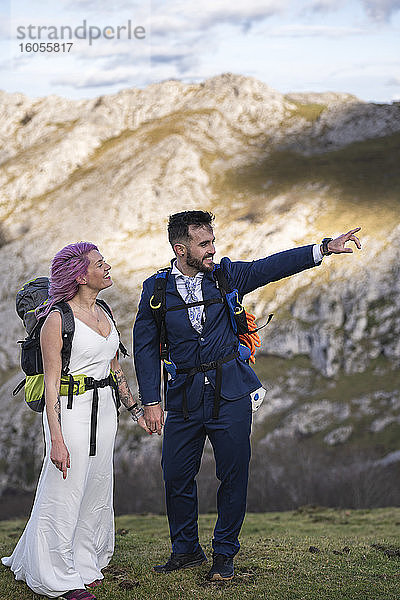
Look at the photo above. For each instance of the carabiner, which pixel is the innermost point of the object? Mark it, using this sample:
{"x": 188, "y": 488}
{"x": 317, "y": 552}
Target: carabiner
{"x": 151, "y": 305}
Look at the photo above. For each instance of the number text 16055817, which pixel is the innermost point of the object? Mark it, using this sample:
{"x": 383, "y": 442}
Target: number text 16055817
{"x": 45, "y": 46}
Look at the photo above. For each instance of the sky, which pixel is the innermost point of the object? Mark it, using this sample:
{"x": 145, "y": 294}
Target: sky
{"x": 105, "y": 46}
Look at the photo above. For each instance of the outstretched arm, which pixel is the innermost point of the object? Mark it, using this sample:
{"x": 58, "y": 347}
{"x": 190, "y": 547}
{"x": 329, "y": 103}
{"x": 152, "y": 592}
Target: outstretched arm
{"x": 248, "y": 276}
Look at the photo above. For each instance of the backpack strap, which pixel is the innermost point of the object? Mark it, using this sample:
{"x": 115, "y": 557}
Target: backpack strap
{"x": 158, "y": 308}
{"x": 19, "y": 387}
{"x": 103, "y": 304}
{"x": 243, "y": 323}
{"x": 222, "y": 281}
{"x": 235, "y": 309}
{"x": 67, "y": 332}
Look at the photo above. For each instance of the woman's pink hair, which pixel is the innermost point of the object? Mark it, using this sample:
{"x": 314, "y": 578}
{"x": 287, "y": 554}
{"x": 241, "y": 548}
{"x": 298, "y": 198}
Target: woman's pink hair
{"x": 68, "y": 264}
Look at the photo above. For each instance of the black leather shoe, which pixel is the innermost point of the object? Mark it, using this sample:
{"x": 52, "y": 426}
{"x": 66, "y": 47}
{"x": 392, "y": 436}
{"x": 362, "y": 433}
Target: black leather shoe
{"x": 181, "y": 561}
{"x": 222, "y": 569}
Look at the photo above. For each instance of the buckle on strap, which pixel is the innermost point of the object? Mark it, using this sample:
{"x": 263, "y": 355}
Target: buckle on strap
{"x": 71, "y": 384}
{"x": 207, "y": 366}
{"x": 204, "y": 367}
{"x": 89, "y": 383}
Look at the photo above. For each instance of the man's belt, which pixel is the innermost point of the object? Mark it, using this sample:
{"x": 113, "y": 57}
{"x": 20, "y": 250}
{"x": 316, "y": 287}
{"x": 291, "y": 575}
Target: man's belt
{"x": 203, "y": 368}
{"x": 71, "y": 386}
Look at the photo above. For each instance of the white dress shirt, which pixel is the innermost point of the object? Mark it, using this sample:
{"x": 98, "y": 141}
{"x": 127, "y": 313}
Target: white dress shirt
{"x": 180, "y": 279}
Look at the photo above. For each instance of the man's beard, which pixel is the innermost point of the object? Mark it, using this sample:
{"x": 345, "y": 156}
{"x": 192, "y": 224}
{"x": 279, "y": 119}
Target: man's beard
{"x": 195, "y": 263}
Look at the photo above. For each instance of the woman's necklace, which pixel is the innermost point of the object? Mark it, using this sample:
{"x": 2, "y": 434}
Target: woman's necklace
{"x": 96, "y": 316}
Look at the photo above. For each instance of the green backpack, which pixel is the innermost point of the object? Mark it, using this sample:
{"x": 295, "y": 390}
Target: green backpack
{"x": 32, "y": 295}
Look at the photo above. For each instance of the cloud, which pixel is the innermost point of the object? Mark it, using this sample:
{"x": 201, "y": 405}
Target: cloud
{"x": 87, "y": 5}
{"x": 5, "y": 64}
{"x": 164, "y": 19}
{"x": 5, "y": 27}
{"x": 177, "y": 34}
{"x": 180, "y": 16}
{"x": 365, "y": 67}
{"x": 322, "y": 6}
{"x": 121, "y": 51}
{"x": 381, "y": 10}
{"x": 97, "y": 78}
{"x": 377, "y": 10}
{"x": 179, "y": 56}
{"x": 296, "y": 31}
{"x": 193, "y": 41}
{"x": 105, "y": 6}
{"x": 208, "y": 13}
{"x": 106, "y": 55}
{"x": 393, "y": 81}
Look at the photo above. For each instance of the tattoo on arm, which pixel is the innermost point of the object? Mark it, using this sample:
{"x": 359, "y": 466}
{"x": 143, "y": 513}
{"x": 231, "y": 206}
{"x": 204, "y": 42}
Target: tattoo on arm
{"x": 57, "y": 408}
{"x": 125, "y": 393}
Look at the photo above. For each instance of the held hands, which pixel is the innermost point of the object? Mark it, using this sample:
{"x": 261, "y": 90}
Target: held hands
{"x": 154, "y": 417}
{"x": 59, "y": 456}
{"x": 337, "y": 246}
{"x": 142, "y": 423}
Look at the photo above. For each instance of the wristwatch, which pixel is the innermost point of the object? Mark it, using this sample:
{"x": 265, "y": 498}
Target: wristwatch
{"x": 324, "y": 247}
{"x": 137, "y": 414}
{"x": 136, "y": 411}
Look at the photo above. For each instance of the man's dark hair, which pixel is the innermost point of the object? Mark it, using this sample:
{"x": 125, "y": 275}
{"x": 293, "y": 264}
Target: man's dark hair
{"x": 178, "y": 224}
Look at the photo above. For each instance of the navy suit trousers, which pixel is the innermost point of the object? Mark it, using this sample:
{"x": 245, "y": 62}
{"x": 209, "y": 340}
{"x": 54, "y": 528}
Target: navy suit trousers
{"x": 182, "y": 450}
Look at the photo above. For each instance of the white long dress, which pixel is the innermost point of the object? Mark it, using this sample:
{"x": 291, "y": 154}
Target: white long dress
{"x": 70, "y": 534}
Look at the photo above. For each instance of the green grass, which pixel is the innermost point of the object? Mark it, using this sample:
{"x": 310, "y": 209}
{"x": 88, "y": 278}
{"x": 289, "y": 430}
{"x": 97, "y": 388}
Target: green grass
{"x": 363, "y": 170}
{"x": 310, "y": 112}
{"x": 379, "y": 376}
{"x": 360, "y": 183}
{"x": 275, "y": 561}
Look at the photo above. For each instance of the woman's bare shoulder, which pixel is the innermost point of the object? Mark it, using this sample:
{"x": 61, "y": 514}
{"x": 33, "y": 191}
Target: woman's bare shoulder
{"x": 52, "y": 324}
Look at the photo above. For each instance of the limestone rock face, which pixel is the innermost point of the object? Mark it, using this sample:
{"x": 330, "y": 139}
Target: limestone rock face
{"x": 277, "y": 170}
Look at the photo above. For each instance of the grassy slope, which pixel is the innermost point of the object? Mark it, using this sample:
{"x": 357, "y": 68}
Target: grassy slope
{"x": 366, "y": 169}
{"x": 358, "y": 183}
{"x": 274, "y": 562}
{"x": 380, "y": 376}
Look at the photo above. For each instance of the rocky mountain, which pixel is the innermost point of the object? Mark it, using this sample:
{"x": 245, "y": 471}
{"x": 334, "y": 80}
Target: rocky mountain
{"x": 278, "y": 171}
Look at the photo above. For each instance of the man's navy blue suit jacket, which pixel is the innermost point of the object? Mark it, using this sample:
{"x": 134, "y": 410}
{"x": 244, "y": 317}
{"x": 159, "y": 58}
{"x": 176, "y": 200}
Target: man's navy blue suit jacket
{"x": 188, "y": 348}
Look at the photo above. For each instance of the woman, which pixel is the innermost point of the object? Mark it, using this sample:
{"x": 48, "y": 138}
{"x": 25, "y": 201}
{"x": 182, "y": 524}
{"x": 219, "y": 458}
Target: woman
{"x": 69, "y": 537}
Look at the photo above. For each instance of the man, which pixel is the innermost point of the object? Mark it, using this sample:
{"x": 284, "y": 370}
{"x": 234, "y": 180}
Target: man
{"x": 209, "y": 393}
